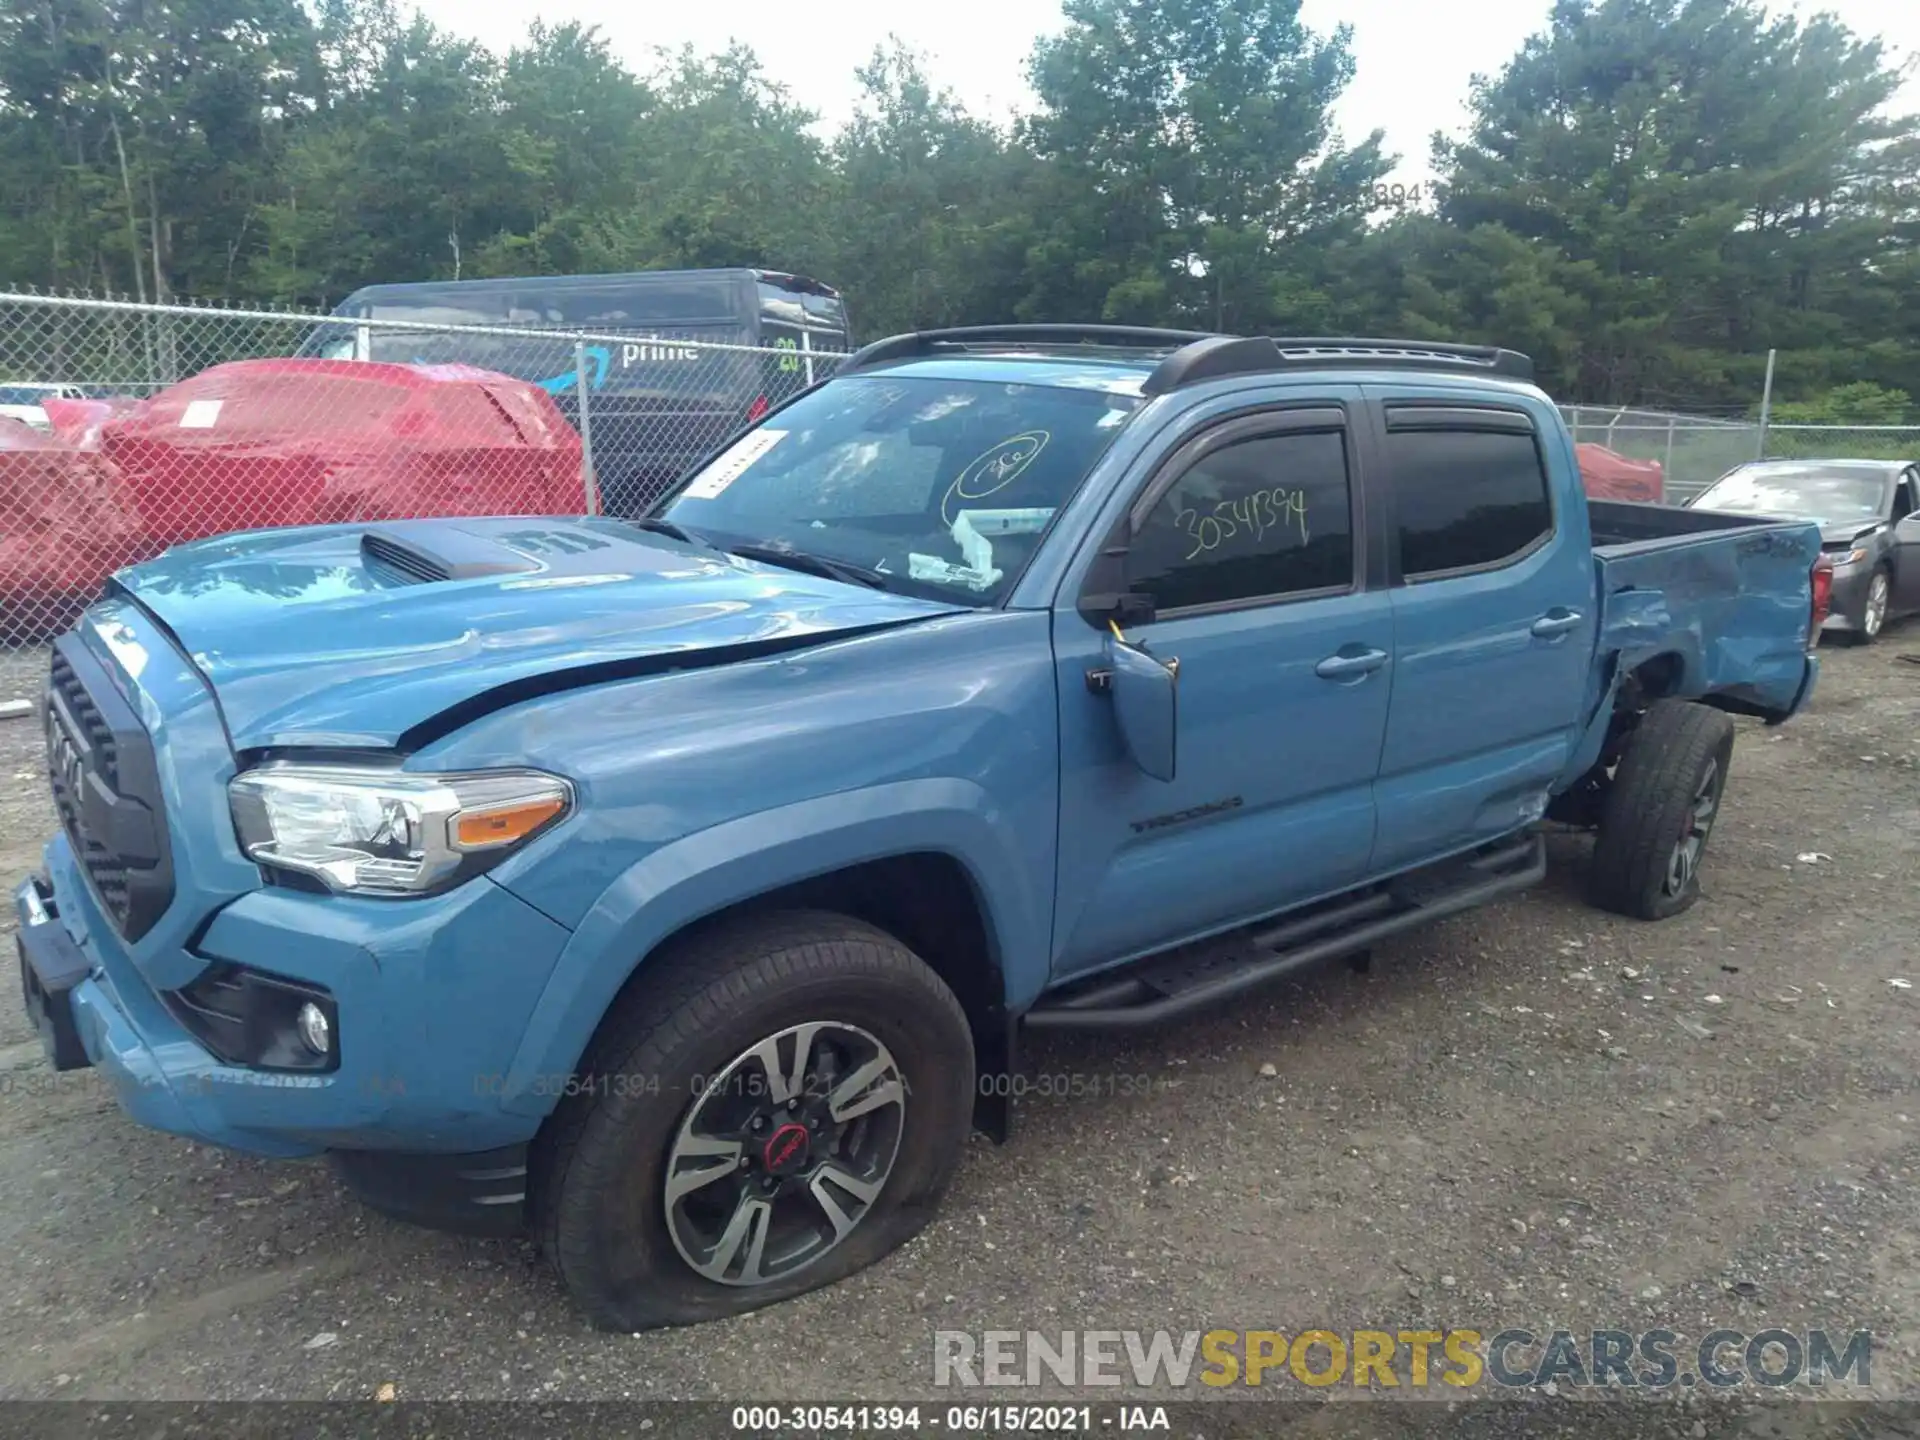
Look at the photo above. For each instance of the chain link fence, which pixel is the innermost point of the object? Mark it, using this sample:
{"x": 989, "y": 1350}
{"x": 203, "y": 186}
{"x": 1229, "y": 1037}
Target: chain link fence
{"x": 1693, "y": 451}
{"x": 1843, "y": 442}
{"x": 126, "y": 428}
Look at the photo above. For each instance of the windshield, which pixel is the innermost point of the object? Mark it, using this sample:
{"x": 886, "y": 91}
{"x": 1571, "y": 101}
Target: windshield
{"x": 939, "y": 488}
{"x": 24, "y": 394}
{"x": 1830, "y": 492}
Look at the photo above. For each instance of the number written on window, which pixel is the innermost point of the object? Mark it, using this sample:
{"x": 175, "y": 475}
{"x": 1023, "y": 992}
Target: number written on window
{"x": 1266, "y": 516}
{"x": 1246, "y": 519}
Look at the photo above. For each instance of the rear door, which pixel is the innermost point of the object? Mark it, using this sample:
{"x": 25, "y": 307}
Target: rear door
{"x": 1254, "y": 556}
{"x": 1493, "y": 630}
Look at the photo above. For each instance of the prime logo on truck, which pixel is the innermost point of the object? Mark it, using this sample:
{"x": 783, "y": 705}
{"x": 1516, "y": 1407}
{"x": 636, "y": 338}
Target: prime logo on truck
{"x": 736, "y": 845}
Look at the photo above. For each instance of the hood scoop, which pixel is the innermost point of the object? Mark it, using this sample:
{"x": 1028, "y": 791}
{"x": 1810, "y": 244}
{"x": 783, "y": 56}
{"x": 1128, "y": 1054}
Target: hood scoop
{"x": 453, "y": 555}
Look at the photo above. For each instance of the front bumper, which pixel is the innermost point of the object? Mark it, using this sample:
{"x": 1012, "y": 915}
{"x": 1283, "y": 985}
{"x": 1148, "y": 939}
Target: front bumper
{"x": 432, "y": 999}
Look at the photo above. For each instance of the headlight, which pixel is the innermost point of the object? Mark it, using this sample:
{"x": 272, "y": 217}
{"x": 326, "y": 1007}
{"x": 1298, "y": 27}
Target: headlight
{"x": 1849, "y": 557}
{"x": 389, "y": 832}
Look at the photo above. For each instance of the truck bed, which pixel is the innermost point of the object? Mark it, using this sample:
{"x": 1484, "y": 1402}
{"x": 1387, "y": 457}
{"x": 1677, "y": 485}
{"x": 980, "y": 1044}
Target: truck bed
{"x": 1621, "y": 525}
{"x": 1728, "y": 596}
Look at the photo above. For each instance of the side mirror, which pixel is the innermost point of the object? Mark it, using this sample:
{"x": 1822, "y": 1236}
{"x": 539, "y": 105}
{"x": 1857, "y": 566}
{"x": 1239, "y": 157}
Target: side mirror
{"x": 1146, "y": 704}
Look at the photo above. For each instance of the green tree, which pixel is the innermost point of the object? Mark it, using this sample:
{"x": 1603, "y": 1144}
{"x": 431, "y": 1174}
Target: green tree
{"x": 1861, "y": 403}
{"x": 934, "y": 209}
{"x": 1196, "y": 174}
{"x": 1652, "y": 194}
{"x": 138, "y": 138}
{"x": 404, "y": 176}
{"x": 1701, "y": 181}
{"x": 571, "y": 119}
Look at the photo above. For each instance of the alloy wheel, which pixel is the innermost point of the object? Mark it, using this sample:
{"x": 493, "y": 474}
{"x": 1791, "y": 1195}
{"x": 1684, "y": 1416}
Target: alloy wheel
{"x": 1875, "y": 614}
{"x": 784, "y": 1152}
{"x": 1684, "y": 862}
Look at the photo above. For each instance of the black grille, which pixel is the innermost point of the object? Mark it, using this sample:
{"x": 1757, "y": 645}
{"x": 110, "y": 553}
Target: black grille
{"x": 106, "y": 791}
{"x": 92, "y": 724}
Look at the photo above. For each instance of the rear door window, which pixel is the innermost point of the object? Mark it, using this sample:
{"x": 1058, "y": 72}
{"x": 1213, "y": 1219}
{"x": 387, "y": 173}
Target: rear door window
{"x": 1469, "y": 496}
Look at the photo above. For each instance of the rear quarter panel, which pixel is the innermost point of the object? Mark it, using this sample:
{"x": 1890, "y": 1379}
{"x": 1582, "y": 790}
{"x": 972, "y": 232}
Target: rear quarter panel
{"x": 1733, "y": 607}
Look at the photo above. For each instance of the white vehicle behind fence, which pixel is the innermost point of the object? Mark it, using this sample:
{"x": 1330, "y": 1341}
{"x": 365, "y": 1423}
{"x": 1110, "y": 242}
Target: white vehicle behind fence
{"x": 21, "y": 400}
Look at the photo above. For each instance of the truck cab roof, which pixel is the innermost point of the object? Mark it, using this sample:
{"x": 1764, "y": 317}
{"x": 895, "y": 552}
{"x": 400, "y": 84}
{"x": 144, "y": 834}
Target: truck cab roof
{"x": 1150, "y": 362}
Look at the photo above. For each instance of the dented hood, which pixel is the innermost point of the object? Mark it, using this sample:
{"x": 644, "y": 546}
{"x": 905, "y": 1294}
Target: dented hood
{"x": 354, "y": 635}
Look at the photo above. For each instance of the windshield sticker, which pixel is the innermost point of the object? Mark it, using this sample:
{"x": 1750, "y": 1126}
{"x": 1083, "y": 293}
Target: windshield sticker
{"x": 1129, "y": 385}
{"x": 1004, "y": 522}
{"x": 970, "y": 532}
{"x": 200, "y": 414}
{"x": 992, "y": 471}
{"x": 935, "y": 571}
{"x": 732, "y": 464}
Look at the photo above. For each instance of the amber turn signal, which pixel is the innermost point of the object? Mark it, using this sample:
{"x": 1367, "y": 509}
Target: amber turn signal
{"x": 504, "y": 824}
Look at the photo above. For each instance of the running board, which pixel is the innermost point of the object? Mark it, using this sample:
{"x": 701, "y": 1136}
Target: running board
{"x": 1194, "y": 977}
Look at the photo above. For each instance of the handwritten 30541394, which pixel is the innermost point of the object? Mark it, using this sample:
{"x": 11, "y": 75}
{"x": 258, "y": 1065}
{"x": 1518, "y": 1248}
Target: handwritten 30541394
{"x": 1250, "y": 519}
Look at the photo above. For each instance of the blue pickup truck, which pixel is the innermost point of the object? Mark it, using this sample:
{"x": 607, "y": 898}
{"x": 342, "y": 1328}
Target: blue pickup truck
{"x": 677, "y": 889}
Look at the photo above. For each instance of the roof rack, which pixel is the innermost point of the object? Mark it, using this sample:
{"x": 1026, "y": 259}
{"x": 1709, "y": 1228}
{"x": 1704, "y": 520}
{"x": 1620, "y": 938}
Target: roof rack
{"x": 1198, "y": 355}
{"x": 927, "y": 342}
{"x": 1229, "y": 355}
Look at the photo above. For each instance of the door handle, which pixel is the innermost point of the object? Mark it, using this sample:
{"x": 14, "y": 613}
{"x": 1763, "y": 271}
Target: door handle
{"x": 1350, "y": 667}
{"x": 1557, "y": 622}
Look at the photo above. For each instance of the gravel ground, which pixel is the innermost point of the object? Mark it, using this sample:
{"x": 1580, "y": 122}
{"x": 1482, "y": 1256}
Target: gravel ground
{"x": 1535, "y": 1115}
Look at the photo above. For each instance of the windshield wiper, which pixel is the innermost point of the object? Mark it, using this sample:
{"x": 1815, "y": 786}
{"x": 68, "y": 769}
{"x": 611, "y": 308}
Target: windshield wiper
{"x": 811, "y": 564}
{"x": 672, "y": 531}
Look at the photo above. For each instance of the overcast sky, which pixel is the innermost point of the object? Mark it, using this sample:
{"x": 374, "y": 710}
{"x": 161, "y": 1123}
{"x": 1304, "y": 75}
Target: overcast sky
{"x": 1414, "y": 61}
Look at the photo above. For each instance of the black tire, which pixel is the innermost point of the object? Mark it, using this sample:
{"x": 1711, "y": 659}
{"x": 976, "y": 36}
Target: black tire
{"x": 1651, "y": 811}
{"x": 600, "y": 1165}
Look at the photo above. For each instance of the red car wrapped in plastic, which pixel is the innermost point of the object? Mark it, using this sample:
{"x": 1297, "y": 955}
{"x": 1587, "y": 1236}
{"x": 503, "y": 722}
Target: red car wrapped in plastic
{"x": 259, "y": 443}
{"x": 264, "y": 443}
{"x": 65, "y": 524}
{"x": 1608, "y": 475}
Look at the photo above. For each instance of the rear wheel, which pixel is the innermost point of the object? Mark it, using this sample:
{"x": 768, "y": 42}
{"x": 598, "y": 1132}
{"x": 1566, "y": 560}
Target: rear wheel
{"x": 781, "y": 1102}
{"x": 1660, "y": 811}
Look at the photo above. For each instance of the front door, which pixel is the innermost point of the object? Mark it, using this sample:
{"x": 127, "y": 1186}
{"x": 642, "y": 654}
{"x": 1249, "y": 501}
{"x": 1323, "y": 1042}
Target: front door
{"x": 1252, "y": 556}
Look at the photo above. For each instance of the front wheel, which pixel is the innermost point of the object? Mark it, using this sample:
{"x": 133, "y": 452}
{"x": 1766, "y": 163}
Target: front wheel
{"x": 779, "y": 1103}
{"x": 1872, "y": 618}
{"x": 1660, "y": 811}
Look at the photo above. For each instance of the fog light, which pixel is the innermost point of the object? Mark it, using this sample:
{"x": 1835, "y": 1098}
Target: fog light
{"x": 314, "y": 1028}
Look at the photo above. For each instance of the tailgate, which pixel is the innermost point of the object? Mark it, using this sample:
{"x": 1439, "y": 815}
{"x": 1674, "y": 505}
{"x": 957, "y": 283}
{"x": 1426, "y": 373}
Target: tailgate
{"x": 1735, "y": 605}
